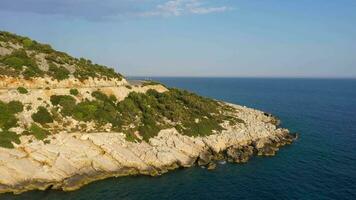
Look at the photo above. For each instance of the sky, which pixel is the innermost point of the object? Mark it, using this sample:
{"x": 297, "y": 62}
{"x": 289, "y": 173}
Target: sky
{"x": 219, "y": 38}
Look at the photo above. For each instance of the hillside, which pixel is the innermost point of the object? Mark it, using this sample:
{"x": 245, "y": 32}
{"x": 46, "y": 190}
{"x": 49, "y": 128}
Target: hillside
{"x": 66, "y": 121}
{"x": 25, "y": 58}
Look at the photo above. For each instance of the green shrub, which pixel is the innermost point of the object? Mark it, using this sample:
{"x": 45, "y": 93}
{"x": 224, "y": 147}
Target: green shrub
{"x": 85, "y": 111}
{"x": 99, "y": 96}
{"x": 38, "y": 132}
{"x": 57, "y": 99}
{"x": 19, "y": 58}
{"x": 42, "y": 116}
{"x": 15, "y": 106}
{"x": 66, "y": 102}
{"x": 22, "y": 90}
{"x": 27, "y": 43}
{"x": 74, "y": 92}
{"x": 32, "y": 71}
{"x": 14, "y": 62}
{"x": 7, "y": 116}
{"x": 59, "y": 73}
{"x": 6, "y": 137}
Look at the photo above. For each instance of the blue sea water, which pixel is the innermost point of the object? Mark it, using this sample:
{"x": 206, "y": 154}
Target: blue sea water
{"x": 320, "y": 165}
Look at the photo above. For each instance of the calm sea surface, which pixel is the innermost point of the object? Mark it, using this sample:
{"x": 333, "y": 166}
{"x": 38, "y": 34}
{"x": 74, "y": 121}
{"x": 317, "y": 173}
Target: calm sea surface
{"x": 320, "y": 165}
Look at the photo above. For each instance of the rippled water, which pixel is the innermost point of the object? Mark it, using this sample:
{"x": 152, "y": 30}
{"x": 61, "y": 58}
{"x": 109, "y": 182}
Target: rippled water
{"x": 320, "y": 165}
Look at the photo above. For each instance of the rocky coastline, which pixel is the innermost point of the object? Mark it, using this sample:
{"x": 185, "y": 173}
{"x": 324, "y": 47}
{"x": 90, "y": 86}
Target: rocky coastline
{"x": 66, "y": 122}
{"x": 73, "y": 160}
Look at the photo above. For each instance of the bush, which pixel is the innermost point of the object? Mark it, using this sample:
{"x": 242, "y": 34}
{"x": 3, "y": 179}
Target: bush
{"x": 7, "y": 116}
{"x": 22, "y": 90}
{"x": 15, "y": 106}
{"x": 59, "y": 73}
{"x": 85, "y": 111}
{"x": 6, "y": 139}
{"x": 58, "y": 99}
{"x": 42, "y": 116}
{"x": 32, "y": 71}
{"x": 66, "y": 102}
{"x": 14, "y": 62}
{"x": 74, "y": 92}
{"x": 37, "y": 131}
{"x": 17, "y": 59}
{"x": 27, "y": 43}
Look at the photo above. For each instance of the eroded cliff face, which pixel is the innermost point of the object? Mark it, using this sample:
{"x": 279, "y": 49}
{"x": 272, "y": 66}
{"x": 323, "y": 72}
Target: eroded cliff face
{"x": 72, "y": 160}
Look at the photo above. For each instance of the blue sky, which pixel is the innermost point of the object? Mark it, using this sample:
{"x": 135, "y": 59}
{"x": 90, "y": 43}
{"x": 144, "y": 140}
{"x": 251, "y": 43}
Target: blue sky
{"x": 253, "y": 38}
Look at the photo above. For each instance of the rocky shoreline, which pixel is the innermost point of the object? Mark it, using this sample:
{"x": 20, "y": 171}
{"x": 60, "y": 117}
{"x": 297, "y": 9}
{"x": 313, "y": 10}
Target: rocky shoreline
{"x": 73, "y": 160}
{"x": 66, "y": 121}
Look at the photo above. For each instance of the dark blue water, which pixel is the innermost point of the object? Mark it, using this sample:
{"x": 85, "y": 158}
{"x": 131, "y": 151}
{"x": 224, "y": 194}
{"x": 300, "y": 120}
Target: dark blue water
{"x": 320, "y": 165}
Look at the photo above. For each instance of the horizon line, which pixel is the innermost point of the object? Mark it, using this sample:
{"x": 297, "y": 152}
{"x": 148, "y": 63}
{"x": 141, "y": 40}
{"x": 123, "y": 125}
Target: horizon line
{"x": 262, "y": 77}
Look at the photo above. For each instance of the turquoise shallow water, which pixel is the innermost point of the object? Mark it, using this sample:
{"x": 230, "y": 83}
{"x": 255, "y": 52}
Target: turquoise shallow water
{"x": 320, "y": 165}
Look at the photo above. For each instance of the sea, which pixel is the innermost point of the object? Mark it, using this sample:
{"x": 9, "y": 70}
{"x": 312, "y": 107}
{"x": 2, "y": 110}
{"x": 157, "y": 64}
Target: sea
{"x": 321, "y": 164}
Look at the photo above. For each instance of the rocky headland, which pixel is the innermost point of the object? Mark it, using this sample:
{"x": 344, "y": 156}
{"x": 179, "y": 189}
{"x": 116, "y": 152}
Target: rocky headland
{"x": 65, "y": 122}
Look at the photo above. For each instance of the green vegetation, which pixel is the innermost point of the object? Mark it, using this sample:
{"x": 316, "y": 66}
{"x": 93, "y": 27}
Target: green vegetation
{"x": 56, "y": 60}
{"x": 191, "y": 114}
{"x": 6, "y": 137}
{"x": 74, "y": 92}
{"x": 37, "y": 131}
{"x": 7, "y": 121}
{"x": 66, "y": 102}
{"x": 42, "y": 116}
{"x": 16, "y": 62}
{"x": 147, "y": 83}
{"x": 7, "y": 114}
{"x": 27, "y": 42}
{"x": 139, "y": 115}
{"x": 59, "y": 73}
{"x": 22, "y": 90}
{"x": 86, "y": 69}
{"x": 15, "y": 106}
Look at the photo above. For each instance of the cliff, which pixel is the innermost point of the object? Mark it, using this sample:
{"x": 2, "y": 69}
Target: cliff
{"x": 65, "y": 122}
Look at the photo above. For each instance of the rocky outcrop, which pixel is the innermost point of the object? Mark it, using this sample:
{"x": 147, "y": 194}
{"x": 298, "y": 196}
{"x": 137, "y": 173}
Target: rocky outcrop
{"x": 72, "y": 160}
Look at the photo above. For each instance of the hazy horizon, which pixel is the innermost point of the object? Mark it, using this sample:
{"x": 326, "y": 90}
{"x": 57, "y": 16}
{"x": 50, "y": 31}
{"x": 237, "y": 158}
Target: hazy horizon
{"x": 197, "y": 38}
{"x": 252, "y": 77}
